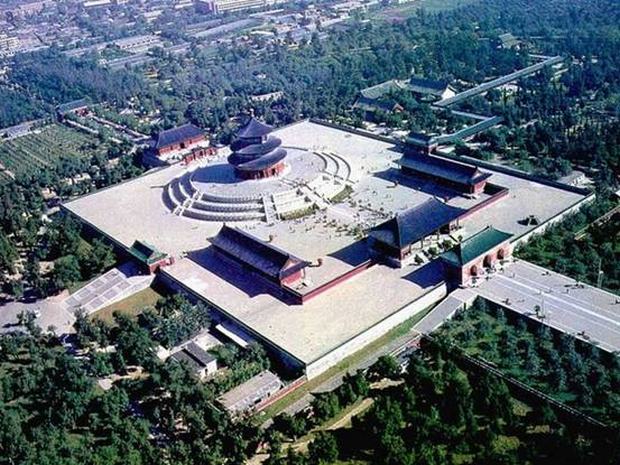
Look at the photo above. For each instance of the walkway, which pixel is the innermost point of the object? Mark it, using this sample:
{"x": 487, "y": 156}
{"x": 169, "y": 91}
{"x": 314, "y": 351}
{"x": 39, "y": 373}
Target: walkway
{"x": 499, "y": 81}
{"x": 584, "y": 311}
{"x": 444, "y": 310}
{"x": 114, "y": 285}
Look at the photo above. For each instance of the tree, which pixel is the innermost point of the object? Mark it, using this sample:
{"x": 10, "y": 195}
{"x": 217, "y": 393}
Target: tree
{"x": 66, "y": 272}
{"x": 325, "y": 406}
{"x": 133, "y": 342}
{"x": 62, "y": 238}
{"x": 66, "y": 390}
{"x": 99, "y": 258}
{"x": 353, "y": 387}
{"x": 292, "y": 426}
{"x": 386, "y": 366}
{"x": 13, "y": 443}
{"x": 323, "y": 449}
{"x": 8, "y": 254}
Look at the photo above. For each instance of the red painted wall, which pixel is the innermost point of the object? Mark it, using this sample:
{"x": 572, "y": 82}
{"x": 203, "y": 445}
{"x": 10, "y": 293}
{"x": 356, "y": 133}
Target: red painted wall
{"x": 491, "y": 200}
{"x": 464, "y": 274}
{"x": 292, "y": 278}
{"x": 186, "y": 143}
{"x": 334, "y": 282}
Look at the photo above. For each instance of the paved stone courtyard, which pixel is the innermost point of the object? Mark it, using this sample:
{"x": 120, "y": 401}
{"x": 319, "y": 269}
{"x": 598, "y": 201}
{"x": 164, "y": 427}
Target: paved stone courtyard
{"x": 135, "y": 210}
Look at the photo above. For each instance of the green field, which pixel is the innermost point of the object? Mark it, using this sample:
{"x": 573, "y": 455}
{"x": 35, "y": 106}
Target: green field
{"x": 131, "y": 306}
{"x": 572, "y": 372}
{"x": 409, "y": 9}
{"x": 45, "y": 149}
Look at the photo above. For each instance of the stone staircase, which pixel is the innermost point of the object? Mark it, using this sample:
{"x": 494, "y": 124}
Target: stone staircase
{"x": 184, "y": 199}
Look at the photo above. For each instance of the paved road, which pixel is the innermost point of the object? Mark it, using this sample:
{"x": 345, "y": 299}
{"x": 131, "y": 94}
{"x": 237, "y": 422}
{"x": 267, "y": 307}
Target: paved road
{"x": 589, "y": 313}
{"x": 444, "y": 311}
{"x": 50, "y": 313}
{"x": 335, "y": 381}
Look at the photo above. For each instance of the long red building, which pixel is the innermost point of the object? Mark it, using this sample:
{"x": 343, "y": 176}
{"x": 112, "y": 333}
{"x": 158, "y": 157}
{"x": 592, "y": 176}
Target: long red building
{"x": 461, "y": 176}
{"x": 179, "y": 138}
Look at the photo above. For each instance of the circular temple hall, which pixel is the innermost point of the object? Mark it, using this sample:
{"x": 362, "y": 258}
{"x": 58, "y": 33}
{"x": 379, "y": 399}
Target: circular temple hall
{"x": 256, "y": 154}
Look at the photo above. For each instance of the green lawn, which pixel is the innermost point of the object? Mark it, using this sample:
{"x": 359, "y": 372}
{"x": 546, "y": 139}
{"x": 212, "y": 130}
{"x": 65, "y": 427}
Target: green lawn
{"x": 132, "y": 305}
{"x": 409, "y": 9}
{"x": 46, "y": 148}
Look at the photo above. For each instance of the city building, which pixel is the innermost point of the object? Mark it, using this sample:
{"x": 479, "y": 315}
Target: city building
{"x": 247, "y": 396}
{"x": 8, "y": 44}
{"x": 138, "y": 44}
{"x": 223, "y": 6}
{"x": 96, "y": 3}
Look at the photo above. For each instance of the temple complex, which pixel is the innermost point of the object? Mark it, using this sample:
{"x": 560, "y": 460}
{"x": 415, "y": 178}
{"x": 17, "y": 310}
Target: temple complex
{"x": 315, "y": 240}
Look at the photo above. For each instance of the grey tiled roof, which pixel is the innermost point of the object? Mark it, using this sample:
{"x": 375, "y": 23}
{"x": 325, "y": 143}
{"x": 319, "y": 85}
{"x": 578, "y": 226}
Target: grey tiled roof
{"x": 253, "y": 391}
{"x": 427, "y": 86}
{"x": 254, "y": 128}
{"x": 450, "y": 170}
{"x": 416, "y": 223}
{"x": 177, "y": 135}
{"x": 262, "y": 256}
{"x": 194, "y": 356}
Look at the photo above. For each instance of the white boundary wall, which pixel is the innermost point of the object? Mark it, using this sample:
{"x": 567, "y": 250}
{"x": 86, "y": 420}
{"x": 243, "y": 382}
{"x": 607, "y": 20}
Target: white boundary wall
{"x": 358, "y": 342}
{"x": 554, "y": 220}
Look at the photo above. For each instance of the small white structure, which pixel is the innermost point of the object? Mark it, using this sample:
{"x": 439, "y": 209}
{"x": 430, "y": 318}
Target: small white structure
{"x": 201, "y": 362}
{"x": 575, "y": 178}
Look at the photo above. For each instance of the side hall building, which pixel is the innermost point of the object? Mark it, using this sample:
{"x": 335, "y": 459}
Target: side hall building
{"x": 179, "y": 138}
{"x": 272, "y": 263}
{"x": 470, "y": 258}
{"x": 463, "y": 177}
{"x": 395, "y": 240}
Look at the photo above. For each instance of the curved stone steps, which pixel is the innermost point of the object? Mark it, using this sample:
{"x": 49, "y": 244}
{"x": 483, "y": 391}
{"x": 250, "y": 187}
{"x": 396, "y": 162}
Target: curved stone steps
{"x": 344, "y": 167}
{"x": 187, "y": 185}
{"x": 175, "y": 194}
{"x": 229, "y": 199}
{"x": 226, "y": 207}
{"x": 168, "y": 200}
{"x": 222, "y": 216}
{"x": 331, "y": 165}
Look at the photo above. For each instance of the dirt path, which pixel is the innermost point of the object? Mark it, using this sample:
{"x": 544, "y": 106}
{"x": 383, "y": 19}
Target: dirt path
{"x": 346, "y": 420}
